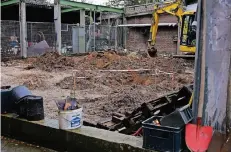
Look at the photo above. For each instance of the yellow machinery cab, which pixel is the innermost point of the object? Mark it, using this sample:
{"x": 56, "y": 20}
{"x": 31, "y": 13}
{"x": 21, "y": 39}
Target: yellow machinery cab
{"x": 188, "y": 33}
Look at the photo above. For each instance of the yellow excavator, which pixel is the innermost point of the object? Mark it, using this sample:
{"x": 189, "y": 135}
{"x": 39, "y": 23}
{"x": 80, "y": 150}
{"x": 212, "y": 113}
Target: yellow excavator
{"x": 186, "y": 21}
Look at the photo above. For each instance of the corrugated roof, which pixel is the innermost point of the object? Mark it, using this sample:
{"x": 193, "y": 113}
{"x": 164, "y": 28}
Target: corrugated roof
{"x": 40, "y": 3}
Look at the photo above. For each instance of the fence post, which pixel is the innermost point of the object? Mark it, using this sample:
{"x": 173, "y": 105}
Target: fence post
{"x": 23, "y": 29}
{"x": 116, "y": 33}
{"x": 57, "y": 20}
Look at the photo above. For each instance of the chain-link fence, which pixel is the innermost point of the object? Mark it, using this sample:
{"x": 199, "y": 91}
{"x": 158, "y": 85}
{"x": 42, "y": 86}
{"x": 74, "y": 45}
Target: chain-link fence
{"x": 41, "y": 37}
{"x": 100, "y": 37}
{"x": 10, "y": 38}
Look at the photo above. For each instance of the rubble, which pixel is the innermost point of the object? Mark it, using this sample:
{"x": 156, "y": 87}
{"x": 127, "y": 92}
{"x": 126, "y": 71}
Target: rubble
{"x": 109, "y": 81}
{"x": 52, "y": 60}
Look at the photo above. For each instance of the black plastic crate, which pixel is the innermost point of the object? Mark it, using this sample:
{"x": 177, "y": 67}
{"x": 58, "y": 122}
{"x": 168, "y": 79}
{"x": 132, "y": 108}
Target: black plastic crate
{"x": 178, "y": 118}
{"x": 30, "y": 108}
{"x": 163, "y": 138}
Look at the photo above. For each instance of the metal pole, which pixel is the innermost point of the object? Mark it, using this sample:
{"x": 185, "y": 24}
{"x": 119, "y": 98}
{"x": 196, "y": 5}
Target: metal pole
{"x": 94, "y": 31}
{"x": 90, "y": 29}
{"x": 124, "y": 32}
{"x": 57, "y": 20}
{"x": 23, "y": 29}
{"x": 31, "y": 33}
{"x": 116, "y": 33}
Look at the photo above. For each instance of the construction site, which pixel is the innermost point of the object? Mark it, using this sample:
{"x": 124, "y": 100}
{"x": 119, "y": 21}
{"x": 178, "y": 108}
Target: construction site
{"x": 121, "y": 67}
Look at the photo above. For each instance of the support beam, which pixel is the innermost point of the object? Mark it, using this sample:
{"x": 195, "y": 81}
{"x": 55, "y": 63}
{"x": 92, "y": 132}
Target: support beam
{"x": 23, "y": 29}
{"x": 82, "y": 18}
{"x": 77, "y": 4}
{"x": 57, "y": 20}
{"x": 116, "y": 34}
{"x": 9, "y": 2}
{"x": 97, "y": 8}
{"x": 125, "y": 32}
{"x": 109, "y": 9}
{"x": 70, "y": 10}
{"x": 81, "y": 36}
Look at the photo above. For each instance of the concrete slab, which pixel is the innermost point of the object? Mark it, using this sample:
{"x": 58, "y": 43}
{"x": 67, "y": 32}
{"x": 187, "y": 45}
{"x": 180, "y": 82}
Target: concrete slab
{"x": 88, "y": 139}
{"x": 11, "y": 145}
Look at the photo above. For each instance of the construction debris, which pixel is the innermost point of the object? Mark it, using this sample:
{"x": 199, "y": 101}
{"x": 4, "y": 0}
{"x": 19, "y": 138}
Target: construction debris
{"x": 107, "y": 82}
{"x": 129, "y": 122}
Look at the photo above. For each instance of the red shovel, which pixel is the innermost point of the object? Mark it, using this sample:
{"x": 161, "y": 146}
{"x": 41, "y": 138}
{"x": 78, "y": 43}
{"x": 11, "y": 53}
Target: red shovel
{"x": 198, "y": 137}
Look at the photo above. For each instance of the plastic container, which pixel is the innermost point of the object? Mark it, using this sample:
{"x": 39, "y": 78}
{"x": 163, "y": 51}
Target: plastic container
{"x": 163, "y": 138}
{"x": 30, "y": 108}
{"x": 70, "y": 119}
{"x": 178, "y": 118}
{"x": 6, "y": 102}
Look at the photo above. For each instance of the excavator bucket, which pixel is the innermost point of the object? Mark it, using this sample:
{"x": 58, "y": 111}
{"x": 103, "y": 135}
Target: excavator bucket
{"x": 152, "y": 51}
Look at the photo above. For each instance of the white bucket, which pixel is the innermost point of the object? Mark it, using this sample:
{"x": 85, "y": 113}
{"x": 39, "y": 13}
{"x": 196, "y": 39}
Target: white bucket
{"x": 70, "y": 119}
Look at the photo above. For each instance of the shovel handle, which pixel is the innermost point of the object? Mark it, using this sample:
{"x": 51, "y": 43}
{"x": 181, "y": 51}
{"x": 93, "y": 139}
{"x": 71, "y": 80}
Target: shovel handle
{"x": 190, "y": 101}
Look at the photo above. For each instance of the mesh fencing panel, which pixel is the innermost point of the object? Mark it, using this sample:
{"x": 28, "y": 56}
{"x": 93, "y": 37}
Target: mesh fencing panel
{"x": 41, "y": 37}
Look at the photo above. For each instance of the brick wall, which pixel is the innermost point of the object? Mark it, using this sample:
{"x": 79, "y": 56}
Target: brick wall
{"x": 147, "y": 19}
{"x": 164, "y": 39}
{"x": 138, "y": 36}
{"x": 138, "y": 39}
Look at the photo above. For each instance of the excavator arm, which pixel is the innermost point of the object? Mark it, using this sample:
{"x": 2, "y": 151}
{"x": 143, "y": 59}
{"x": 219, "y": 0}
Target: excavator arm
{"x": 173, "y": 8}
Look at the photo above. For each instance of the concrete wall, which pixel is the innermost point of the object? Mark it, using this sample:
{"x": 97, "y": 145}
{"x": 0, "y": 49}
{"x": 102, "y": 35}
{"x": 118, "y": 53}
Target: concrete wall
{"x": 138, "y": 36}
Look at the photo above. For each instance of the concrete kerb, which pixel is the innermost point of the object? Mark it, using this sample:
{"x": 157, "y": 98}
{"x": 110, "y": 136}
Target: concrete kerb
{"x": 88, "y": 139}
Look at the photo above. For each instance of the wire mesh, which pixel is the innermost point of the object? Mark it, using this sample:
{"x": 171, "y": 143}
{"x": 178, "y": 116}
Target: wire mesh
{"x": 41, "y": 37}
{"x": 10, "y": 38}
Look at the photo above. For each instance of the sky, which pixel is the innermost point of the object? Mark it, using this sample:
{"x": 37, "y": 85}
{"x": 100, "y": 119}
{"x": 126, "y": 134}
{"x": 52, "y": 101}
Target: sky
{"x": 99, "y": 2}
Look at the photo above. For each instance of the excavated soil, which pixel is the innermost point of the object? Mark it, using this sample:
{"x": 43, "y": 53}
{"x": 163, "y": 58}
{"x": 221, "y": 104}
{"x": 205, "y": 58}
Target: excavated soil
{"x": 104, "y": 82}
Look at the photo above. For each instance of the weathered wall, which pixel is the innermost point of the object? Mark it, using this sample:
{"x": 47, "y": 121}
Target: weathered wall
{"x": 138, "y": 36}
{"x": 138, "y": 39}
{"x": 147, "y": 19}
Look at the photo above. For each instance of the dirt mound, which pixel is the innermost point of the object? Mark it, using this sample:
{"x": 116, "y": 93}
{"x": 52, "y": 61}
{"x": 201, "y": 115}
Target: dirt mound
{"x": 81, "y": 84}
{"x": 121, "y": 100}
{"x": 52, "y": 60}
{"x": 34, "y": 81}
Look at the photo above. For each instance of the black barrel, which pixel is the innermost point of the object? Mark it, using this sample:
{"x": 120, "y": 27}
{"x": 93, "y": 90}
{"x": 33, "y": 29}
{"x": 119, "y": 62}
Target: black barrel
{"x": 6, "y": 101}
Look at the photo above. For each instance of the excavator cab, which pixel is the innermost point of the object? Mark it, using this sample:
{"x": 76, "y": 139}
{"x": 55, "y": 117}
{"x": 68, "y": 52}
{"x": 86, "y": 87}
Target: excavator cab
{"x": 188, "y": 33}
{"x": 186, "y": 16}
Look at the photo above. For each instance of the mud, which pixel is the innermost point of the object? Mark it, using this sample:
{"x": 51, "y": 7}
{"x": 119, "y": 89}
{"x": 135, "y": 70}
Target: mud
{"x": 105, "y": 82}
